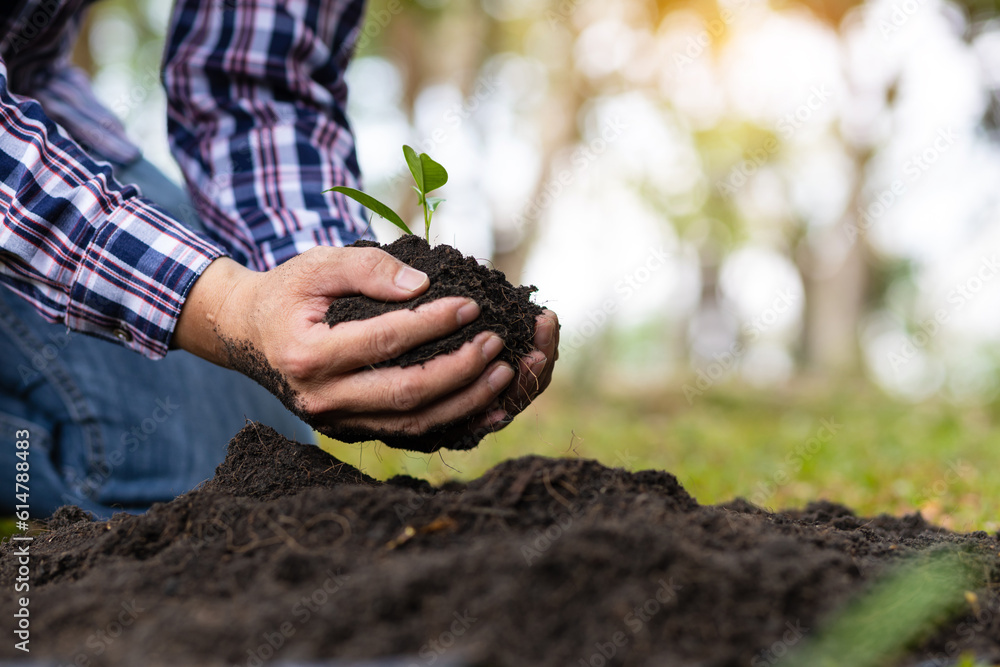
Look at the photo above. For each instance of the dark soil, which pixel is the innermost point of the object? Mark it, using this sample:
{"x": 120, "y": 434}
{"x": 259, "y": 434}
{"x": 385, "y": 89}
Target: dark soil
{"x": 290, "y": 555}
{"x": 506, "y": 310}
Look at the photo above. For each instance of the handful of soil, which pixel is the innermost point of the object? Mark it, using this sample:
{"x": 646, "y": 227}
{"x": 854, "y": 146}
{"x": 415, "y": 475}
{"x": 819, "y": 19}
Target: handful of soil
{"x": 506, "y": 310}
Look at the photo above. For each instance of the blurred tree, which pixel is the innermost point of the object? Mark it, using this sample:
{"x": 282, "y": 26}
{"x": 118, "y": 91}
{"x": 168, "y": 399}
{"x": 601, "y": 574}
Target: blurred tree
{"x": 454, "y": 42}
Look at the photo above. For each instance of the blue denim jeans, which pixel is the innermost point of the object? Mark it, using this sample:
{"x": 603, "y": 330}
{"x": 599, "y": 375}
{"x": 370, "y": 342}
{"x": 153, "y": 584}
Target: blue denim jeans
{"x": 109, "y": 429}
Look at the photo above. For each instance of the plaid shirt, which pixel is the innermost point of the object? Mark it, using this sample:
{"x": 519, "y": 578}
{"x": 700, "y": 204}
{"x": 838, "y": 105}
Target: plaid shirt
{"x": 256, "y": 115}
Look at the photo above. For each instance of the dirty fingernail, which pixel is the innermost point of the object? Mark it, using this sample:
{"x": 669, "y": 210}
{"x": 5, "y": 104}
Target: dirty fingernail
{"x": 492, "y": 347}
{"x": 467, "y": 313}
{"x": 497, "y": 417}
{"x": 500, "y": 378}
{"x": 410, "y": 279}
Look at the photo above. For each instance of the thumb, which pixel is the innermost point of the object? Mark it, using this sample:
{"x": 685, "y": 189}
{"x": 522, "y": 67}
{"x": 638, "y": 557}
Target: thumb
{"x": 337, "y": 272}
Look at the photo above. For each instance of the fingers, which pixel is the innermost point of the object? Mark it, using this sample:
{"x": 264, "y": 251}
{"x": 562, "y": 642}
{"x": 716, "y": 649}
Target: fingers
{"x": 336, "y": 272}
{"x": 534, "y": 370}
{"x": 547, "y": 341}
{"x": 471, "y": 400}
{"x": 466, "y": 434}
{"x": 360, "y": 343}
{"x": 547, "y": 334}
{"x": 397, "y": 390}
{"x": 330, "y": 365}
{"x": 491, "y": 422}
{"x": 531, "y": 371}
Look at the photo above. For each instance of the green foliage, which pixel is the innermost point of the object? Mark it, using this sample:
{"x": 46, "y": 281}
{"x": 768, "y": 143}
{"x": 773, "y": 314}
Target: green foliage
{"x": 887, "y": 456}
{"x": 902, "y": 608}
{"x": 375, "y": 205}
{"x": 8, "y": 527}
{"x": 969, "y": 661}
{"x": 428, "y": 176}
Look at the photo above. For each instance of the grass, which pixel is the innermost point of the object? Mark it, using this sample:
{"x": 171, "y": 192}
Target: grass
{"x": 902, "y": 607}
{"x": 8, "y": 527}
{"x": 876, "y": 455}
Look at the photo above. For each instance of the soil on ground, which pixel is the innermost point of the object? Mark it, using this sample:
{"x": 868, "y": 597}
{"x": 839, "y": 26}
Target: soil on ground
{"x": 288, "y": 556}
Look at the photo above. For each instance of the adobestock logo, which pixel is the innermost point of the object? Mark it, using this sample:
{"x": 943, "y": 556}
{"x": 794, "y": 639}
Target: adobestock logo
{"x": 787, "y": 126}
{"x": 696, "y": 45}
{"x": 793, "y": 121}
{"x": 626, "y": 287}
{"x": 725, "y": 362}
{"x": 607, "y": 652}
{"x": 963, "y": 293}
{"x": 913, "y": 169}
{"x": 583, "y": 157}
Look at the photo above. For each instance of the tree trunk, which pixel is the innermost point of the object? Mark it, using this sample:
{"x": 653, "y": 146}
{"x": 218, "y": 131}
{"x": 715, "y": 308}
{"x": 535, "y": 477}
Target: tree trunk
{"x": 559, "y": 130}
{"x": 836, "y": 279}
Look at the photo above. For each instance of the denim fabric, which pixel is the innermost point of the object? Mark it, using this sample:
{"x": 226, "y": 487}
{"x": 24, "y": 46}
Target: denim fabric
{"x": 110, "y": 429}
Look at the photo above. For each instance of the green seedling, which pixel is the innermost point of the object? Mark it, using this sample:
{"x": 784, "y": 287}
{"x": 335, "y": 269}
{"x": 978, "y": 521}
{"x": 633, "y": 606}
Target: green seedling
{"x": 428, "y": 176}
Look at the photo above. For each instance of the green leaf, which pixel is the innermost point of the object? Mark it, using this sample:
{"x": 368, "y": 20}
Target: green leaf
{"x": 427, "y": 174}
{"x": 435, "y": 176}
{"x": 434, "y": 202}
{"x": 371, "y": 203}
{"x": 421, "y": 197}
{"x": 415, "y": 164}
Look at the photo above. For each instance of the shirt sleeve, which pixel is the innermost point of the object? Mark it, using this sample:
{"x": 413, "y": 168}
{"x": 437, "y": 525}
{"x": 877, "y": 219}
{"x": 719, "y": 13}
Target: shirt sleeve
{"x": 256, "y": 104}
{"x": 84, "y": 250}
{"x": 69, "y": 100}
{"x": 39, "y": 66}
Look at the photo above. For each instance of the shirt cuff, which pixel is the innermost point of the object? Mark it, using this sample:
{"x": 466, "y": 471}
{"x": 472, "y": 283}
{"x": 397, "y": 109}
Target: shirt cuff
{"x": 134, "y": 277}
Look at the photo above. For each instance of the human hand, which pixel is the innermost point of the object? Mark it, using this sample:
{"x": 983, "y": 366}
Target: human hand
{"x": 270, "y": 327}
{"x": 533, "y": 377}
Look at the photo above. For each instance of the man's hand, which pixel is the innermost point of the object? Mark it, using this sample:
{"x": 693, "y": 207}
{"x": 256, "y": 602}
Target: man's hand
{"x": 270, "y": 327}
{"x": 533, "y": 376}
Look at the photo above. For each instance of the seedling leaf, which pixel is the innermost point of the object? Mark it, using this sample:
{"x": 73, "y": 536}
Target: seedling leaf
{"x": 435, "y": 176}
{"x": 427, "y": 174}
{"x": 434, "y": 202}
{"x": 371, "y": 203}
{"x": 415, "y": 164}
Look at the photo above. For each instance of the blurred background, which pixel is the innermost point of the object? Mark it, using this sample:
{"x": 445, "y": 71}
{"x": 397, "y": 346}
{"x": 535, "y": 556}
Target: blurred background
{"x": 770, "y": 229}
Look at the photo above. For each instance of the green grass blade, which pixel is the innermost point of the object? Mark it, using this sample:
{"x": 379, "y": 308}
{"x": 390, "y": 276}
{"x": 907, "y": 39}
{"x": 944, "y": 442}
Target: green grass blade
{"x": 371, "y": 203}
{"x": 901, "y": 609}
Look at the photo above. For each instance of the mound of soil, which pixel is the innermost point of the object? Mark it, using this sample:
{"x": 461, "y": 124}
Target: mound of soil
{"x": 506, "y": 310}
{"x": 290, "y": 555}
